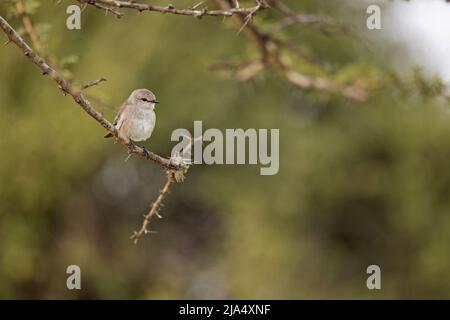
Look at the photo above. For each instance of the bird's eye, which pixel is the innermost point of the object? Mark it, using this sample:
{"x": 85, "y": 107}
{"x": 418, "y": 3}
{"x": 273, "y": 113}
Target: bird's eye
{"x": 145, "y": 99}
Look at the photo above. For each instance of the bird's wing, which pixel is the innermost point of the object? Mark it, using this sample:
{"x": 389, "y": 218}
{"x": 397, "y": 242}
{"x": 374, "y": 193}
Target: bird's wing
{"x": 119, "y": 119}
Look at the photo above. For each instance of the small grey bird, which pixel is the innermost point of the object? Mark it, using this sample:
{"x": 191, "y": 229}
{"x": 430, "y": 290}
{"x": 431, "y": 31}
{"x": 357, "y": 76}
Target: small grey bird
{"x": 136, "y": 117}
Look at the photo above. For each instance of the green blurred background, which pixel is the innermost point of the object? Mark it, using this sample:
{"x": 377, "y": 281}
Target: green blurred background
{"x": 360, "y": 183}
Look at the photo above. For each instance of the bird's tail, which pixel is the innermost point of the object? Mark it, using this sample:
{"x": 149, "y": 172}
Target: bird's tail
{"x": 108, "y": 135}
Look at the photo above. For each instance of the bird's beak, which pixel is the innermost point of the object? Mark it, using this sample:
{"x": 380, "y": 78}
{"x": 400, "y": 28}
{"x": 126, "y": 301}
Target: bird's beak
{"x": 156, "y": 101}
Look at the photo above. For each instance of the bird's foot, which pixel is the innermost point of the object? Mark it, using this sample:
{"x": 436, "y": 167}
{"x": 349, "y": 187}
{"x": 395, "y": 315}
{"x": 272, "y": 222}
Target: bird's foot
{"x": 130, "y": 144}
{"x": 145, "y": 151}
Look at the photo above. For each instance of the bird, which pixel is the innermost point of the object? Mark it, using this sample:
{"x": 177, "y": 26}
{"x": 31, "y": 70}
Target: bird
{"x": 136, "y": 118}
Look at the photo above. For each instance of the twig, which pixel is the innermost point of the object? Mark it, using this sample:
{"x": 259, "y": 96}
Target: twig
{"x": 79, "y": 98}
{"x": 171, "y": 9}
{"x": 102, "y": 7}
{"x": 28, "y": 26}
{"x": 154, "y": 207}
{"x": 93, "y": 83}
{"x": 259, "y": 5}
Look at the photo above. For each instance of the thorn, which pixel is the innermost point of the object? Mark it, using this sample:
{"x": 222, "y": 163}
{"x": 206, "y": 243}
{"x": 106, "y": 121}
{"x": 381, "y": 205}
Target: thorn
{"x": 197, "y": 5}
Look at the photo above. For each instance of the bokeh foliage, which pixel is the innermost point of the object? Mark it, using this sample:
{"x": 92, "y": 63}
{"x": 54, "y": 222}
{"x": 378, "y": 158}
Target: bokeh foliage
{"x": 359, "y": 183}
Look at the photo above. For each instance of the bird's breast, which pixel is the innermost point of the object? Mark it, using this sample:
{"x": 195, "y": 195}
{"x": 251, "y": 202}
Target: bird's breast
{"x": 141, "y": 125}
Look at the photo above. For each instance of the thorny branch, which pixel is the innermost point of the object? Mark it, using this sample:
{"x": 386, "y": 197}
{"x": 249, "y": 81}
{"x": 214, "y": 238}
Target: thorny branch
{"x": 195, "y": 11}
{"x": 175, "y": 169}
{"x": 101, "y": 7}
{"x": 172, "y": 176}
{"x": 28, "y": 26}
{"x": 154, "y": 207}
{"x": 272, "y": 51}
{"x": 272, "y": 48}
{"x": 77, "y": 95}
{"x": 93, "y": 83}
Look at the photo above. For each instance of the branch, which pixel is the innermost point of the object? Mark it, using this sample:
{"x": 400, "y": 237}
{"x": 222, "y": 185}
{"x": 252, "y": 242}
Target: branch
{"x": 28, "y": 26}
{"x": 270, "y": 46}
{"x": 271, "y": 49}
{"x": 79, "y": 98}
{"x": 154, "y": 207}
{"x": 102, "y": 7}
{"x": 93, "y": 83}
{"x": 260, "y": 4}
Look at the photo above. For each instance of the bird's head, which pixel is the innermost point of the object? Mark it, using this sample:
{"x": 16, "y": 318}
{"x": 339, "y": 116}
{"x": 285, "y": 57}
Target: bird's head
{"x": 143, "y": 98}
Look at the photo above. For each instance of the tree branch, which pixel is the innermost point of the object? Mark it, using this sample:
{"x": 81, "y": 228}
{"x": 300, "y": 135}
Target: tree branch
{"x": 102, "y": 7}
{"x": 79, "y": 98}
{"x": 154, "y": 207}
{"x": 260, "y": 4}
{"x": 93, "y": 83}
{"x": 28, "y": 26}
{"x": 272, "y": 53}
